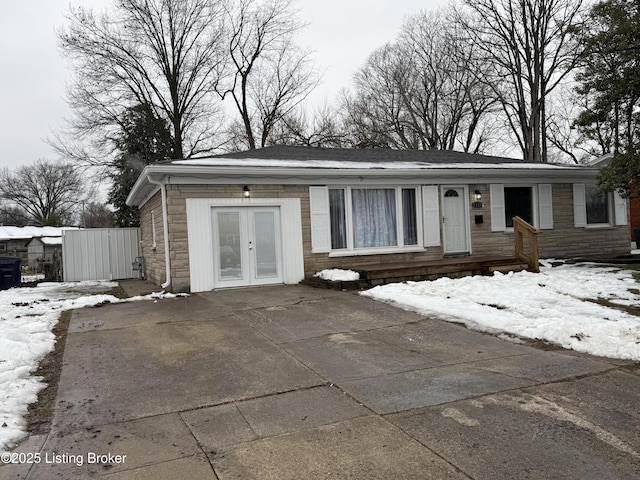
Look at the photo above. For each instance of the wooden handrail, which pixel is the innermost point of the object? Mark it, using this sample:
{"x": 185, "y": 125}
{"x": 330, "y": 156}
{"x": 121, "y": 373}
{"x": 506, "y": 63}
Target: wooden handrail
{"x": 520, "y": 229}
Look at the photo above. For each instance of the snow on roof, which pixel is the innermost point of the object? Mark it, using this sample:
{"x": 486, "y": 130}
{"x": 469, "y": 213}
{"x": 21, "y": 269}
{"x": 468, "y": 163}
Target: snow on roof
{"x": 51, "y": 240}
{"x": 361, "y": 158}
{"x": 351, "y": 165}
{"x": 25, "y": 233}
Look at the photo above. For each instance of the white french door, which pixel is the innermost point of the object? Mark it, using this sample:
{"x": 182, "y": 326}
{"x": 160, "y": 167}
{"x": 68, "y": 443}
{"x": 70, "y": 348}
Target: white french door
{"x": 247, "y": 246}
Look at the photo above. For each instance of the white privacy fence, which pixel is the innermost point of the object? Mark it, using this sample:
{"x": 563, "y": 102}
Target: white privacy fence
{"x": 100, "y": 254}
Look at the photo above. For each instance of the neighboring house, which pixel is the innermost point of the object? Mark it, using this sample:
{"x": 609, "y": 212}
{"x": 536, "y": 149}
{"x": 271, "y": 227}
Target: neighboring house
{"x": 14, "y": 240}
{"x": 43, "y": 250}
{"x": 280, "y": 214}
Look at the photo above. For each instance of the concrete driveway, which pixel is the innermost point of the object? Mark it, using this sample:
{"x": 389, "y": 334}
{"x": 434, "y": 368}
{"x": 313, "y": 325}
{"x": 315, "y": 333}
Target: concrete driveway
{"x": 291, "y": 382}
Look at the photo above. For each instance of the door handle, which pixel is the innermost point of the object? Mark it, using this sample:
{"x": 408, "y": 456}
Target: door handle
{"x": 250, "y": 245}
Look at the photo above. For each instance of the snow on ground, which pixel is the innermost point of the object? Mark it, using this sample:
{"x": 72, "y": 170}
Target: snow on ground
{"x": 31, "y": 278}
{"x": 338, "y": 275}
{"x": 27, "y": 317}
{"x": 552, "y": 305}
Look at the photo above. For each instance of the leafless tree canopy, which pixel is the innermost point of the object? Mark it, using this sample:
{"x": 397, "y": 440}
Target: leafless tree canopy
{"x": 528, "y": 49}
{"x": 96, "y": 215}
{"x": 420, "y": 92}
{"x": 162, "y": 53}
{"x": 183, "y": 58}
{"x": 269, "y": 75}
{"x": 48, "y": 193}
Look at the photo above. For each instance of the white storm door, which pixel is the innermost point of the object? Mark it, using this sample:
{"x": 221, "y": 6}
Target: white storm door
{"x": 454, "y": 221}
{"x": 247, "y": 246}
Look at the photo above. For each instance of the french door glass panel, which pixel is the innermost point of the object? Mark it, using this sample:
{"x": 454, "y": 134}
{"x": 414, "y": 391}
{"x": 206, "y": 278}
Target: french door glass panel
{"x": 266, "y": 251}
{"x": 229, "y": 246}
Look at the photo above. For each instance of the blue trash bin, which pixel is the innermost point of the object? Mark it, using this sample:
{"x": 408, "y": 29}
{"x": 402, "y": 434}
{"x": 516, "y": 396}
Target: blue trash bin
{"x": 10, "y": 274}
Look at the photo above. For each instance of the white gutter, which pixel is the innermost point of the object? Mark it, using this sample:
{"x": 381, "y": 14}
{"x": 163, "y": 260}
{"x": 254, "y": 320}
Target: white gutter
{"x": 165, "y": 227}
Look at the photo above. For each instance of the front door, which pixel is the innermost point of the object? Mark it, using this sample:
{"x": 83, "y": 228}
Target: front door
{"x": 454, "y": 220}
{"x": 247, "y": 246}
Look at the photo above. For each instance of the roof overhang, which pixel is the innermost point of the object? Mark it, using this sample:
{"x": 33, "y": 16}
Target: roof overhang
{"x": 241, "y": 172}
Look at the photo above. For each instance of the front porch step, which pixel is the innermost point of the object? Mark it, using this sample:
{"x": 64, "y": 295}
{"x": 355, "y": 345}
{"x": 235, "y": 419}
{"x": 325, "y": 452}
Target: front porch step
{"x": 506, "y": 268}
{"x": 381, "y": 274}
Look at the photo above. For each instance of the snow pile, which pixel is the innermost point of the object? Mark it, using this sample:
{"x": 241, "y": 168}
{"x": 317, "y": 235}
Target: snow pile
{"x": 32, "y": 278}
{"x": 27, "y": 317}
{"x": 553, "y": 306}
{"x": 337, "y": 275}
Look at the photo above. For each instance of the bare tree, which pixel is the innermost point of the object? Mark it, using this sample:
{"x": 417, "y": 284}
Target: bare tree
{"x": 163, "y": 53}
{"x": 529, "y": 49}
{"x": 96, "y": 215}
{"x": 269, "y": 74}
{"x": 322, "y": 128}
{"x": 420, "y": 92}
{"x": 12, "y": 215}
{"x": 49, "y": 193}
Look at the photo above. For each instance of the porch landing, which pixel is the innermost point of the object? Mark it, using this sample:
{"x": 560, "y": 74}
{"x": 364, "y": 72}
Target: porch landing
{"x": 452, "y": 267}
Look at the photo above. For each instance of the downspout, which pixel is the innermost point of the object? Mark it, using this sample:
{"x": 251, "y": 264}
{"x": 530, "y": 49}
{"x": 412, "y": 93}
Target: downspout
{"x": 165, "y": 228}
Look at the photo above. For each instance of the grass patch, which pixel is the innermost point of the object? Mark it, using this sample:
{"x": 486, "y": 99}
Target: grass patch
{"x": 630, "y": 309}
{"x": 40, "y": 413}
{"x": 117, "y": 292}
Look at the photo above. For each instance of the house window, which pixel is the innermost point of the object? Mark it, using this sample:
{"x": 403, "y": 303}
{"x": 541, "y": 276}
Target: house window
{"x": 3, "y": 247}
{"x": 518, "y": 202}
{"x": 597, "y": 206}
{"x": 374, "y": 217}
{"x": 362, "y": 218}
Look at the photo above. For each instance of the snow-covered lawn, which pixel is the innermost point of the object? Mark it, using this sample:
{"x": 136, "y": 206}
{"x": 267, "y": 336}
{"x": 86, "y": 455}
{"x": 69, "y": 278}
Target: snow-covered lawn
{"x": 27, "y": 317}
{"x": 553, "y": 305}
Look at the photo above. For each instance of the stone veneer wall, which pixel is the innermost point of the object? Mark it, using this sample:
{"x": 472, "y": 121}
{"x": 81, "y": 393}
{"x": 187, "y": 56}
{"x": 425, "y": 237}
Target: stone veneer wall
{"x": 563, "y": 241}
{"x": 154, "y": 263}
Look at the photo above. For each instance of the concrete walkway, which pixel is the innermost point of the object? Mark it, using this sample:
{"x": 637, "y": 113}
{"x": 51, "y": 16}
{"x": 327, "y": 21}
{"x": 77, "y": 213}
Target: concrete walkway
{"x": 291, "y": 382}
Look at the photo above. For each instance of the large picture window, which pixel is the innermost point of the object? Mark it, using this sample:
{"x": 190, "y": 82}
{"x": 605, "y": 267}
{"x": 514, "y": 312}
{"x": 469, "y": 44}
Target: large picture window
{"x": 370, "y": 218}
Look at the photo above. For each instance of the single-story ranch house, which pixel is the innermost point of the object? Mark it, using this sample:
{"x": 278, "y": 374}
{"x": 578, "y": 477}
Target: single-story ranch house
{"x": 281, "y": 214}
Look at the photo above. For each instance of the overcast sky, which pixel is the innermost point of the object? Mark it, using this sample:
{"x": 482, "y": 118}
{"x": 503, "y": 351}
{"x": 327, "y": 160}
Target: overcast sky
{"x": 33, "y": 74}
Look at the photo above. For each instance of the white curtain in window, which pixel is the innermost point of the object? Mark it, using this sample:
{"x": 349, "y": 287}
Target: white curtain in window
{"x": 337, "y": 218}
{"x": 374, "y": 217}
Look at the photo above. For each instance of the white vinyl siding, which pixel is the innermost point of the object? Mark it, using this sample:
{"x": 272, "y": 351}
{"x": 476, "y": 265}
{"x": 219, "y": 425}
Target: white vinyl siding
{"x": 431, "y": 216}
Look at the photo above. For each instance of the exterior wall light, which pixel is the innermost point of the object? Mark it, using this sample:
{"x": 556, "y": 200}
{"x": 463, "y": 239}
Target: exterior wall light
{"x": 477, "y": 202}
{"x": 246, "y": 192}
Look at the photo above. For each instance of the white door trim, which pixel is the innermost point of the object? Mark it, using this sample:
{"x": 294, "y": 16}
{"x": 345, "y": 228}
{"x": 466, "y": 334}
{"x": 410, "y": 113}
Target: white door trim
{"x": 200, "y": 237}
